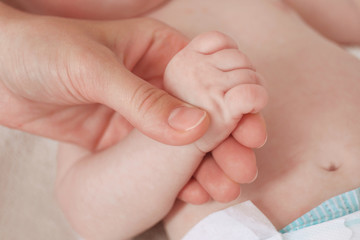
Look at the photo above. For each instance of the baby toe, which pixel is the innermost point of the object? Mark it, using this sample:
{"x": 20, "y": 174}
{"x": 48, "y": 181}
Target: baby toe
{"x": 245, "y": 98}
{"x": 251, "y": 131}
{"x": 230, "y": 59}
{"x": 239, "y": 76}
{"x": 211, "y": 42}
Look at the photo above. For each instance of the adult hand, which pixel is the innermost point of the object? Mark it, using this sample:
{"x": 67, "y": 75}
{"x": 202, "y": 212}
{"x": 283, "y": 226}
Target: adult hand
{"x": 232, "y": 163}
{"x": 74, "y": 80}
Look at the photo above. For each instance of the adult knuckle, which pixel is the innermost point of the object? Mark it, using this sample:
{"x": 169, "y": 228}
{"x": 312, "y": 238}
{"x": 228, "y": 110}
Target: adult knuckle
{"x": 146, "y": 97}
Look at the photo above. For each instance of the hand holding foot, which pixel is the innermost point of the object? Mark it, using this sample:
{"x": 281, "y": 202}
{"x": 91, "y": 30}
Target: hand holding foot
{"x": 77, "y": 81}
{"x": 213, "y": 74}
{"x": 148, "y": 173}
{"x": 224, "y": 83}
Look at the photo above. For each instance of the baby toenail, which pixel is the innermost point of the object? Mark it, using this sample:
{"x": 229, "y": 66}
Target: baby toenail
{"x": 186, "y": 118}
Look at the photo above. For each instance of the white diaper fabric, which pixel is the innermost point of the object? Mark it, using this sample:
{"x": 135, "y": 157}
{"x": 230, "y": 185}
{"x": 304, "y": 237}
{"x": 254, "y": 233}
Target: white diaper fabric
{"x": 242, "y": 221}
{"x": 246, "y": 222}
{"x": 343, "y": 228}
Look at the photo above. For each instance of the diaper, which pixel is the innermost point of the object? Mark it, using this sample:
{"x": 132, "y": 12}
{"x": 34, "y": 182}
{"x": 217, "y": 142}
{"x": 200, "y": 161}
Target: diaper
{"x": 336, "y": 207}
{"x": 245, "y": 221}
{"x": 241, "y": 221}
{"x": 343, "y": 228}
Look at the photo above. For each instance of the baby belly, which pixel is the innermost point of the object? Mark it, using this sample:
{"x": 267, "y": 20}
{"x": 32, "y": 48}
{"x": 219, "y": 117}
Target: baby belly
{"x": 256, "y": 24}
{"x": 287, "y": 188}
{"x": 312, "y": 152}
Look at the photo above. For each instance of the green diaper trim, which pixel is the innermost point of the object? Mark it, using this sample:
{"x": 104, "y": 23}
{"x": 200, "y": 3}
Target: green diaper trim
{"x": 333, "y": 208}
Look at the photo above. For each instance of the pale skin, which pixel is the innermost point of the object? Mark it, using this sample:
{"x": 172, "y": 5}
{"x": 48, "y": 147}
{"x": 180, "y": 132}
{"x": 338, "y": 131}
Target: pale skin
{"x": 266, "y": 193}
{"x": 112, "y": 194}
{"x": 266, "y": 59}
{"x": 84, "y": 87}
{"x": 312, "y": 116}
{"x": 87, "y": 9}
{"x": 340, "y": 23}
{"x": 90, "y": 82}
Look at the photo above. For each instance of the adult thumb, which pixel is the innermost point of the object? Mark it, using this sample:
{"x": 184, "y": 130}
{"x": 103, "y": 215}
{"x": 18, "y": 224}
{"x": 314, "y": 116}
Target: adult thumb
{"x": 153, "y": 111}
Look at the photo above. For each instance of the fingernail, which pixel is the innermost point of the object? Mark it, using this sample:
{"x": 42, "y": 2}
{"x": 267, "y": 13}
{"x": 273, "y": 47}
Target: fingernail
{"x": 186, "y": 118}
{"x": 263, "y": 143}
{"x": 257, "y": 173}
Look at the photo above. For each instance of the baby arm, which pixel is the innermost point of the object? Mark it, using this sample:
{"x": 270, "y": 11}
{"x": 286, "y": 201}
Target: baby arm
{"x": 124, "y": 190}
{"x": 336, "y": 20}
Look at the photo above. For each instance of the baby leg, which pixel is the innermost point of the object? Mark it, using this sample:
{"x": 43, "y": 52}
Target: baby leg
{"x": 112, "y": 194}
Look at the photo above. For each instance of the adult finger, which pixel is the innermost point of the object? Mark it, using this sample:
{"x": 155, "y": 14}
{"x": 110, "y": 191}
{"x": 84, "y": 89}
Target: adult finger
{"x": 251, "y": 131}
{"x": 236, "y": 161}
{"x": 213, "y": 179}
{"x": 194, "y": 193}
{"x": 143, "y": 49}
{"x": 152, "y": 110}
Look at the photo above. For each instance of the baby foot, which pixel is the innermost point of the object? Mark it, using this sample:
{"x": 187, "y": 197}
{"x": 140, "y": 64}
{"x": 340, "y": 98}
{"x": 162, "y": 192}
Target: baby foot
{"x": 211, "y": 73}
